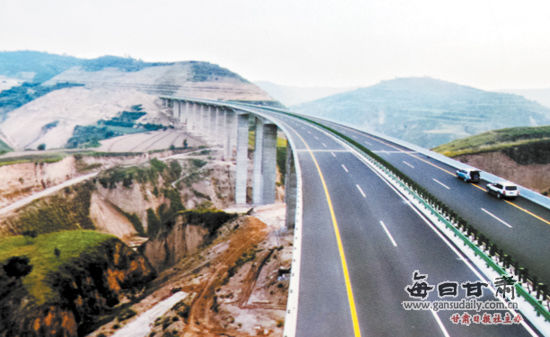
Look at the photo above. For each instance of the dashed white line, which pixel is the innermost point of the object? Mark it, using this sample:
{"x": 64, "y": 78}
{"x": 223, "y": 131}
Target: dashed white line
{"x": 496, "y": 218}
{"x": 324, "y": 145}
{"x": 441, "y": 326}
{"x": 408, "y": 164}
{"x": 345, "y": 168}
{"x": 361, "y": 190}
{"x": 316, "y": 138}
{"x": 440, "y": 183}
{"x": 388, "y": 233}
{"x": 309, "y": 132}
{"x": 332, "y": 153}
{"x": 367, "y": 143}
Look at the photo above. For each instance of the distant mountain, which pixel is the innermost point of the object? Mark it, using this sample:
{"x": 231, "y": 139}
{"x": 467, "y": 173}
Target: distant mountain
{"x": 292, "y": 95}
{"x": 33, "y": 66}
{"x": 426, "y": 111}
{"x": 540, "y": 95}
{"x": 518, "y": 154}
{"x": 48, "y": 98}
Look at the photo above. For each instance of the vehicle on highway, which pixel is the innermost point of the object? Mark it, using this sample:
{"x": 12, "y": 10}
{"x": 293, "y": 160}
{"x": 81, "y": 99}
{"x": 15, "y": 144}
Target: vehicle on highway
{"x": 468, "y": 175}
{"x": 503, "y": 189}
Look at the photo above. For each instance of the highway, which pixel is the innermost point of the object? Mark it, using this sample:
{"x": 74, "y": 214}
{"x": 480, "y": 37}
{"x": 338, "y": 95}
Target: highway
{"x": 361, "y": 243}
{"x": 520, "y": 227}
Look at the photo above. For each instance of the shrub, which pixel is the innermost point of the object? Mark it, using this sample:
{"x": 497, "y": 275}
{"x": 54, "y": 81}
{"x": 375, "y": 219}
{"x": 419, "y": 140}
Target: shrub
{"x": 17, "y": 266}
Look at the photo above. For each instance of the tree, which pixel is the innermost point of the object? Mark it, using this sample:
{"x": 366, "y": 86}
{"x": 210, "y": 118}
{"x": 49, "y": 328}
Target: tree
{"x": 41, "y": 147}
{"x": 18, "y": 266}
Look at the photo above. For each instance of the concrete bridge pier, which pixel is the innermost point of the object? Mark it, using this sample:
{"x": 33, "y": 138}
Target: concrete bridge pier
{"x": 291, "y": 188}
{"x": 241, "y": 171}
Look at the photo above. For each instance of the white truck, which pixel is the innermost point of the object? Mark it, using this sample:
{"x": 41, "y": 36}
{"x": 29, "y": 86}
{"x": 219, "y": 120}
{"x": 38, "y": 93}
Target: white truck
{"x": 503, "y": 189}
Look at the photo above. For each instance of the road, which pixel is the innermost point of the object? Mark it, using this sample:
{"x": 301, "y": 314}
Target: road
{"x": 520, "y": 227}
{"x": 48, "y": 191}
{"x": 361, "y": 243}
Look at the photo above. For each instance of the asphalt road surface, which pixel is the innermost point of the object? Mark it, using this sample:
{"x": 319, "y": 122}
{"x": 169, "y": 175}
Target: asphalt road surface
{"x": 362, "y": 243}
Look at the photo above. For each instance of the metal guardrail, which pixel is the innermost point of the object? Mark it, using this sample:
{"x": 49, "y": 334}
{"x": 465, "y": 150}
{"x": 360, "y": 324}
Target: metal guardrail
{"x": 525, "y": 192}
{"x": 448, "y": 221}
{"x": 432, "y": 208}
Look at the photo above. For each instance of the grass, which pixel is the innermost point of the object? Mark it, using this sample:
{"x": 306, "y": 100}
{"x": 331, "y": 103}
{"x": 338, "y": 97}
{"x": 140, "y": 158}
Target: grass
{"x": 495, "y": 140}
{"x": 34, "y": 158}
{"x": 40, "y": 251}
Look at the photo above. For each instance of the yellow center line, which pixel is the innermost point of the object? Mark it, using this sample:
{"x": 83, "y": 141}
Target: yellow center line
{"x": 349, "y": 290}
{"x": 475, "y": 185}
{"x": 528, "y": 212}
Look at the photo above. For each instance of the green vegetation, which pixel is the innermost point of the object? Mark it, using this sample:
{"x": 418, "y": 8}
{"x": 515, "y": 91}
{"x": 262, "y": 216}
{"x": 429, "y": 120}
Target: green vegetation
{"x": 58, "y": 212}
{"x": 204, "y": 71}
{"x": 209, "y": 218}
{"x": 18, "y": 96}
{"x": 33, "y": 158}
{"x": 426, "y": 111}
{"x": 42, "y": 258}
{"x": 496, "y": 140}
{"x": 281, "y": 157}
{"x": 127, "y": 64}
{"x": 127, "y": 175}
{"x": 122, "y": 124}
{"x": 43, "y": 65}
{"x": 4, "y": 147}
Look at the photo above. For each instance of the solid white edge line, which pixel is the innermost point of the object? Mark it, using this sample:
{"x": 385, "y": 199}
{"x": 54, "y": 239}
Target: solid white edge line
{"x": 462, "y": 255}
{"x": 361, "y": 190}
{"x": 441, "y": 326}
{"x": 496, "y": 218}
{"x": 345, "y": 168}
{"x": 388, "y": 233}
{"x": 440, "y": 183}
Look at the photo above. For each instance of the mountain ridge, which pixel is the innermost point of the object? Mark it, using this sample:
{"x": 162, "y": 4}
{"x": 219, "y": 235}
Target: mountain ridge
{"x": 427, "y": 111}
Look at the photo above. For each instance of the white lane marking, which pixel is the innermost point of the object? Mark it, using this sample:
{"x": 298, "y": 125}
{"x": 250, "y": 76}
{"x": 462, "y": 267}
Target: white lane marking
{"x": 435, "y": 230}
{"x": 309, "y": 132}
{"x": 367, "y": 143}
{"x": 361, "y": 191}
{"x": 441, "y": 326}
{"x": 440, "y": 183}
{"x": 496, "y": 217}
{"x": 345, "y": 168}
{"x": 408, "y": 164}
{"x": 316, "y": 138}
{"x": 388, "y": 233}
{"x": 324, "y": 145}
{"x": 332, "y": 153}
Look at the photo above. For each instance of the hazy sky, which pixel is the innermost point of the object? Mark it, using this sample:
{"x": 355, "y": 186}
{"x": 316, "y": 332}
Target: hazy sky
{"x": 490, "y": 44}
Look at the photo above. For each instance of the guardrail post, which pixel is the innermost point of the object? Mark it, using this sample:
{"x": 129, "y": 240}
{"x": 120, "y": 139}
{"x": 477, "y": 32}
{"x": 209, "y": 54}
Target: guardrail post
{"x": 241, "y": 170}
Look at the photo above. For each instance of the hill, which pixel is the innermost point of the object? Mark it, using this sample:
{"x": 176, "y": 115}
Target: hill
{"x": 540, "y": 95}
{"x": 56, "y": 97}
{"x": 426, "y": 111}
{"x": 518, "y": 154}
{"x": 292, "y": 95}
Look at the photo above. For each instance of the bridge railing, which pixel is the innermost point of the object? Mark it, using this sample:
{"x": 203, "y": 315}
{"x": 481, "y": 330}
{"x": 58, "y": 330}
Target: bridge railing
{"x": 471, "y": 237}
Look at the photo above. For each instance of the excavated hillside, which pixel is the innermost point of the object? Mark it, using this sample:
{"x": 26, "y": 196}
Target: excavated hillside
{"x": 232, "y": 270}
{"x": 88, "y": 92}
{"x": 521, "y": 155}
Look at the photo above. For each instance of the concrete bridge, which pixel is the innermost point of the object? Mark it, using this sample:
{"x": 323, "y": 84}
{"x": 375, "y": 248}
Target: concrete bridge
{"x": 228, "y": 127}
{"x": 362, "y": 226}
